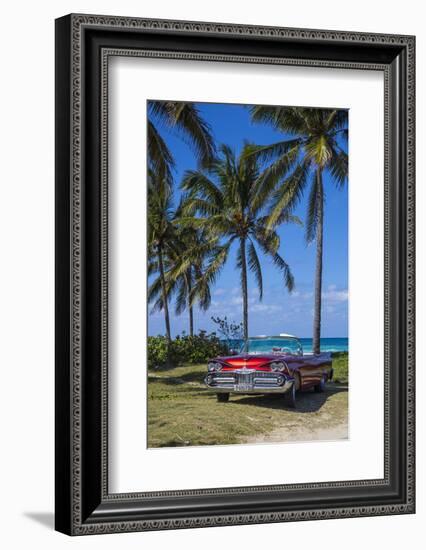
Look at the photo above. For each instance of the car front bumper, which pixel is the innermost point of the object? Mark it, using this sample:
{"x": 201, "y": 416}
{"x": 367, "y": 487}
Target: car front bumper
{"x": 248, "y": 381}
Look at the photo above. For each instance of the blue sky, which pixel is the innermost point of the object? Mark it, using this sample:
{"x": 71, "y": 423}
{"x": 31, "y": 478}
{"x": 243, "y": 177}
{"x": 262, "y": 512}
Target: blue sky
{"x": 279, "y": 311}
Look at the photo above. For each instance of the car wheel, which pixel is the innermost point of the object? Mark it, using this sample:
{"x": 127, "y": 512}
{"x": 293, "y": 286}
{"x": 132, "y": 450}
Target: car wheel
{"x": 290, "y": 397}
{"x": 223, "y": 397}
{"x": 321, "y": 386}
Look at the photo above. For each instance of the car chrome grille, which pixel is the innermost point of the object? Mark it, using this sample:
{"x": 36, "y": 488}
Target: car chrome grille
{"x": 246, "y": 380}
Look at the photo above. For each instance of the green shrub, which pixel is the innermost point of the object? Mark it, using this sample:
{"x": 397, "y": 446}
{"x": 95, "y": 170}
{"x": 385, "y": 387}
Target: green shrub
{"x": 157, "y": 351}
{"x": 184, "y": 349}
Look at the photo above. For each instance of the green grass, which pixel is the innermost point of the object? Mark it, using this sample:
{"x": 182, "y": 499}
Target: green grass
{"x": 341, "y": 367}
{"x": 182, "y": 412}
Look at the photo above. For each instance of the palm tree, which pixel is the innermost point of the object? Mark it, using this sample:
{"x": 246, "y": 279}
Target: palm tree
{"x": 161, "y": 232}
{"x": 185, "y": 119}
{"x": 183, "y": 271}
{"x": 225, "y": 202}
{"x": 314, "y": 149}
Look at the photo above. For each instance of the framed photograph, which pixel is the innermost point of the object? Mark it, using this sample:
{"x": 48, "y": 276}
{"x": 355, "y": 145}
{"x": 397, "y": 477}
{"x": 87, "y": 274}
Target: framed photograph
{"x": 234, "y": 274}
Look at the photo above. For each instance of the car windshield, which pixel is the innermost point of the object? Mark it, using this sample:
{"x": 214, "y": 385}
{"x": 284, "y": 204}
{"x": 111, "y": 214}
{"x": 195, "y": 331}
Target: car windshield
{"x": 272, "y": 344}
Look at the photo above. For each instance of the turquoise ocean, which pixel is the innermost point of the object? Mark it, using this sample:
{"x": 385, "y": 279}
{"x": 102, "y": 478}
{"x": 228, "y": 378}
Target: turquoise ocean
{"x": 327, "y": 344}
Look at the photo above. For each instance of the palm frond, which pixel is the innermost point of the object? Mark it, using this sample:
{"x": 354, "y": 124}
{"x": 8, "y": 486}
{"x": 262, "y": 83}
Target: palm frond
{"x": 255, "y": 267}
{"x": 216, "y": 263}
{"x": 315, "y": 195}
{"x": 201, "y": 290}
{"x": 339, "y": 167}
{"x": 194, "y": 205}
{"x": 272, "y": 151}
{"x": 181, "y": 300}
{"x": 288, "y": 194}
{"x": 198, "y": 184}
{"x": 287, "y": 119}
{"x": 340, "y": 120}
{"x": 153, "y": 266}
{"x": 154, "y": 290}
{"x": 318, "y": 150}
{"x": 274, "y": 174}
{"x": 158, "y": 305}
{"x": 199, "y": 133}
{"x": 185, "y": 117}
{"x": 269, "y": 241}
{"x": 159, "y": 156}
{"x": 285, "y": 268}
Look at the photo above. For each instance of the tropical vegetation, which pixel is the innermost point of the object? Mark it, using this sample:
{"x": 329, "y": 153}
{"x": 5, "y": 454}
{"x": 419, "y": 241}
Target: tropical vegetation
{"x": 230, "y": 331}
{"x": 234, "y": 199}
{"x": 300, "y": 161}
{"x": 183, "y": 118}
{"x": 184, "y": 349}
{"x": 181, "y": 273}
{"x": 225, "y": 201}
{"x": 161, "y": 235}
{"x": 164, "y": 242}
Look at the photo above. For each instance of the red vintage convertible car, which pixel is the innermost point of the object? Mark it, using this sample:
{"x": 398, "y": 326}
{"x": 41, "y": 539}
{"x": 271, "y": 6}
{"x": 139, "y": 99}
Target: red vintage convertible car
{"x": 269, "y": 364}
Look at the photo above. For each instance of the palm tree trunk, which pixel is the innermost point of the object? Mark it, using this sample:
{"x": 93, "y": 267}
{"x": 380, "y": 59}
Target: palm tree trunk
{"x": 164, "y": 295}
{"x": 244, "y": 288}
{"x": 190, "y": 308}
{"x": 318, "y": 267}
{"x": 191, "y": 321}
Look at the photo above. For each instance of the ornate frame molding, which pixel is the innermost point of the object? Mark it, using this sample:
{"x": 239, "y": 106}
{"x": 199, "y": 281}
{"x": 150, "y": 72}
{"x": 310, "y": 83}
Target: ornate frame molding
{"x": 75, "y": 502}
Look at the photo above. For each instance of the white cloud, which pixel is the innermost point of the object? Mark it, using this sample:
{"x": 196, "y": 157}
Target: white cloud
{"x": 334, "y": 295}
{"x": 300, "y": 295}
{"x": 265, "y": 308}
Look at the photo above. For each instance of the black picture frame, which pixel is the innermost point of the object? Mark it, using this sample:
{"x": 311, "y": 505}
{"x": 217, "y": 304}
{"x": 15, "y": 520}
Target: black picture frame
{"x": 83, "y": 45}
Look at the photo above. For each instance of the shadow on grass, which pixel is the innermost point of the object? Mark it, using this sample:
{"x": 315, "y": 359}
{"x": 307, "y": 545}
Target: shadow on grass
{"x": 171, "y": 443}
{"x": 176, "y": 380}
{"x": 306, "y": 402}
{"x": 174, "y": 443}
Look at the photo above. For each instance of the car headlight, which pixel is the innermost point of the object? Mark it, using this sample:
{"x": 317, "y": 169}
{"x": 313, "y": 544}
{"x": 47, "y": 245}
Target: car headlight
{"x": 214, "y": 366}
{"x": 277, "y": 366}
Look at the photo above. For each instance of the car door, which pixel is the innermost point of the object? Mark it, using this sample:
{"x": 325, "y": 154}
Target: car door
{"x": 311, "y": 371}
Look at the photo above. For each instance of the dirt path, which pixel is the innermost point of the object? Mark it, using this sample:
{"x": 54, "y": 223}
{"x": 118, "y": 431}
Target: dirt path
{"x": 301, "y": 433}
{"x": 329, "y": 422}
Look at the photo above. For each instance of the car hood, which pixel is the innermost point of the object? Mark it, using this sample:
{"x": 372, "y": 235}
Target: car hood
{"x": 248, "y": 361}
